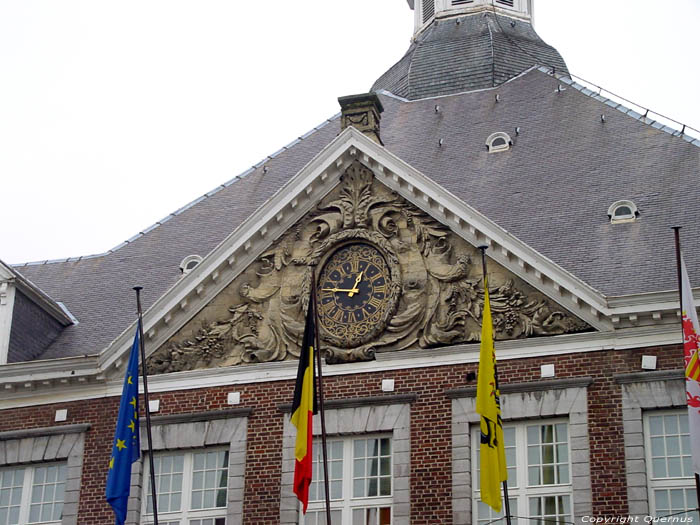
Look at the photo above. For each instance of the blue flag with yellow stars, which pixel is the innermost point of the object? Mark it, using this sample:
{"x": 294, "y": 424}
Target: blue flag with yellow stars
{"x": 126, "y": 448}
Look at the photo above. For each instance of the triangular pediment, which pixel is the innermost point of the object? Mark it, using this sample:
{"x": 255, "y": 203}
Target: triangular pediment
{"x": 390, "y": 278}
{"x": 244, "y": 302}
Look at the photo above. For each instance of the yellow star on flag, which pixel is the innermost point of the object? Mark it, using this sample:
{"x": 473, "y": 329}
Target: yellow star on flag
{"x": 132, "y": 426}
{"x": 133, "y": 402}
{"x": 128, "y": 380}
{"x": 120, "y": 444}
{"x": 111, "y": 462}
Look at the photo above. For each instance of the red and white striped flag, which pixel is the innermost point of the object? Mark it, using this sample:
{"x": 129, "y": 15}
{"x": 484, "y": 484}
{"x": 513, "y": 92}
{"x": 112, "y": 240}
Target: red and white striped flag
{"x": 691, "y": 346}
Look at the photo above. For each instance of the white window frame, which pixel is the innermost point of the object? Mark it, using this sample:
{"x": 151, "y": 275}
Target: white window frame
{"x": 187, "y": 261}
{"x": 653, "y": 484}
{"x": 27, "y": 486}
{"x": 348, "y": 503}
{"x": 521, "y": 492}
{"x": 186, "y": 513}
{"x": 501, "y": 147}
{"x": 616, "y": 218}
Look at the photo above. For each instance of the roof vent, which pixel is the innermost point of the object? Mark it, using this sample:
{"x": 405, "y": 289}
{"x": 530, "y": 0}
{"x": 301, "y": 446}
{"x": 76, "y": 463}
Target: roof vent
{"x": 508, "y": 3}
{"x": 622, "y": 211}
{"x": 188, "y": 263}
{"x": 428, "y": 10}
{"x": 498, "y": 141}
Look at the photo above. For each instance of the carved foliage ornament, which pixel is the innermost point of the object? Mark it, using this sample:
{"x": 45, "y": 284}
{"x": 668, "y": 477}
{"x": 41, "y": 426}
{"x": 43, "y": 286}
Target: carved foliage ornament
{"x": 389, "y": 277}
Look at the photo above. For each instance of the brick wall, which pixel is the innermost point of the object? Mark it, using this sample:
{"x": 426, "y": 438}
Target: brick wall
{"x": 431, "y": 484}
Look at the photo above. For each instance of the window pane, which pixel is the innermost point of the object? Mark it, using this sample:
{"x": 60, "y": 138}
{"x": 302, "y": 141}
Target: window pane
{"x": 47, "y": 493}
{"x": 367, "y": 461}
{"x": 656, "y": 426}
{"x": 669, "y": 446}
{"x": 168, "y": 476}
{"x": 317, "y": 491}
{"x": 671, "y": 424}
{"x": 550, "y": 508}
{"x": 367, "y": 467}
{"x": 486, "y": 515}
{"x": 209, "y": 475}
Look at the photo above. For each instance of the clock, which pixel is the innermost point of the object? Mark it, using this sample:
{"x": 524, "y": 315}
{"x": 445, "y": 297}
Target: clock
{"x": 356, "y": 294}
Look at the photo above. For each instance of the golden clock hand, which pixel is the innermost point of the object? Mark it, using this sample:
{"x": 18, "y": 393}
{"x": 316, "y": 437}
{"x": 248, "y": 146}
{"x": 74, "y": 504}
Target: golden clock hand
{"x": 351, "y": 290}
{"x": 354, "y": 286}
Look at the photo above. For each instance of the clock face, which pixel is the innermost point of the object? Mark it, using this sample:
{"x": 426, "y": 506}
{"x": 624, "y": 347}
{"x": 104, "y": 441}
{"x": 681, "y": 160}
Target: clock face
{"x": 353, "y": 294}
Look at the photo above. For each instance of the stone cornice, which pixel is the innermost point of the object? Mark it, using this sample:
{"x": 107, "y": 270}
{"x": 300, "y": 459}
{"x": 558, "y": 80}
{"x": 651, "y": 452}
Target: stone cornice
{"x": 529, "y": 386}
{"x": 652, "y": 375}
{"x": 44, "y": 431}
{"x": 194, "y": 417}
{"x": 354, "y": 402}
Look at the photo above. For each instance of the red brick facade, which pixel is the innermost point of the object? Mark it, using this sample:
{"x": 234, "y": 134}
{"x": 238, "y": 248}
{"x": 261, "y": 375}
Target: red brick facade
{"x": 431, "y": 447}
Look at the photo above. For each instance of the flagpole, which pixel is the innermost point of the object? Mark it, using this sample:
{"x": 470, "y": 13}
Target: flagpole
{"x": 495, "y": 376}
{"x": 320, "y": 396}
{"x": 677, "y": 236}
{"x": 144, "y": 375}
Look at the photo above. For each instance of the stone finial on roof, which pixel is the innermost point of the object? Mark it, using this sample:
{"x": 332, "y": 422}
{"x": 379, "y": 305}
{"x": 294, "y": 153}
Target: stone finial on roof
{"x": 363, "y": 112}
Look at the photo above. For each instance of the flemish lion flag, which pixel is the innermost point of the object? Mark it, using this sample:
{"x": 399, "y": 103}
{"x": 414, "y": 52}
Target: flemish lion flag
{"x": 691, "y": 346}
{"x": 492, "y": 451}
{"x": 303, "y": 409}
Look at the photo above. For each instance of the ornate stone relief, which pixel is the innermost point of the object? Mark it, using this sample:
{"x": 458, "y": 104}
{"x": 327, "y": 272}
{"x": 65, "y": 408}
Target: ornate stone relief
{"x": 428, "y": 292}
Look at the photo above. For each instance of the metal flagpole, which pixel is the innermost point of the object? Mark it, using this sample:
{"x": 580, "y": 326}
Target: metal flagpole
{"x": 495, "y": 376}
{"x": 320, "y": 396}
{"x": 144, "y": 375}
{"x": 677, "y": 236}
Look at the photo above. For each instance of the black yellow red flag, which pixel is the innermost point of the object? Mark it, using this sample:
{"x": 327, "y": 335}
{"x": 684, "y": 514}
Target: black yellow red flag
{"x": 492, "y": 450}
{"x": 303, "y": 409}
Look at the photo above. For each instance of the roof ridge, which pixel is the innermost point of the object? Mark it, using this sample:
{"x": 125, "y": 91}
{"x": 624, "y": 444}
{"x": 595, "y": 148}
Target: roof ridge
{"x": 189, "y": 205}
{"x": 571, "y": 80}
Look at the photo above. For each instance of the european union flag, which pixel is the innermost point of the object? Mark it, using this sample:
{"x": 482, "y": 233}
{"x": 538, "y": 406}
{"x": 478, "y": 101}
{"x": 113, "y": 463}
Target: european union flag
{"x": 126, "y": 448}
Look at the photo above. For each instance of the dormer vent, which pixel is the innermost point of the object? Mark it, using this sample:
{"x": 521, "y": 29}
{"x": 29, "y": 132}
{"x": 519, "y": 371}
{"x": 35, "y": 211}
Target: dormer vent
{"x": 498, "y": 141}
{"x": 428, "y": 10}
{"x": 622, "y": 211}
{"x": 189, "y": 263}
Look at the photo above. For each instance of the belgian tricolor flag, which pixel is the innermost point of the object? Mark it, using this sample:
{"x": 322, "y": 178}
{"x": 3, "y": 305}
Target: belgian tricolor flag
{"x": 303, "y": 409}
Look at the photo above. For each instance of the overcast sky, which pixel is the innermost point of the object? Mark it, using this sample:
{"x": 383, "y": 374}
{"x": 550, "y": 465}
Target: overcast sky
{"x": 114, "y": 114}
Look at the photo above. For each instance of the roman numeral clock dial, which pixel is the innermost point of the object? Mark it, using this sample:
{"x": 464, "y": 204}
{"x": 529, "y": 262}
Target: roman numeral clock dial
{"x": 354, "y": 302}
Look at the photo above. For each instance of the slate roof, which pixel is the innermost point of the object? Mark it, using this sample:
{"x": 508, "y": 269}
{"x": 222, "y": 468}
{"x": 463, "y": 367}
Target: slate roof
{"x": 465, "y": 54}
{"x": 552, "y": 190}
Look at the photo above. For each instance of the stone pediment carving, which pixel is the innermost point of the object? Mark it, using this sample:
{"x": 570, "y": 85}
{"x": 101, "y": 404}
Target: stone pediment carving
{"x": 390, "y": 278}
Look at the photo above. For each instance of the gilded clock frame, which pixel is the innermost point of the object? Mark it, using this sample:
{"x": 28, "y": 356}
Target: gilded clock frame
{"x": 393, "y": 280}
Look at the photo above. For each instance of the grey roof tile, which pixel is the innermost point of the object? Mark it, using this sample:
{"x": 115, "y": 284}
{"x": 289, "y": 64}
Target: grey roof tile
{"x": 552, "y": 190}
{"x": 481, "y": 51}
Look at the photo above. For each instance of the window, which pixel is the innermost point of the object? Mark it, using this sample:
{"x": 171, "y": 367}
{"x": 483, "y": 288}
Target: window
{"x": 188, "y": 264}
{"x": 360, "y": 482}
{"x": 191, "y": 488}
{"x": 539, "y": 474}
{"x": 622, "y": 211}
{"x": 32, "y": 494}
{"x": 498, "y": 141}
{"x": 669, "y": 464}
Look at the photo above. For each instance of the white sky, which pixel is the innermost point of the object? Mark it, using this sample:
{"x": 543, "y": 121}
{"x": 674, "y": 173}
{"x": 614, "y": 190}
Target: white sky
{"x": 114, "y": 114}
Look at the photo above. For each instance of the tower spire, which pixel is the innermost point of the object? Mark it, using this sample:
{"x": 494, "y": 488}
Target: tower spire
{"x": 465, "y": 45}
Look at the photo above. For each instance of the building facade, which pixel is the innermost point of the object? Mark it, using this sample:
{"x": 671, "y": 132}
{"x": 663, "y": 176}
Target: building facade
{"x": 477, "y": 137}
